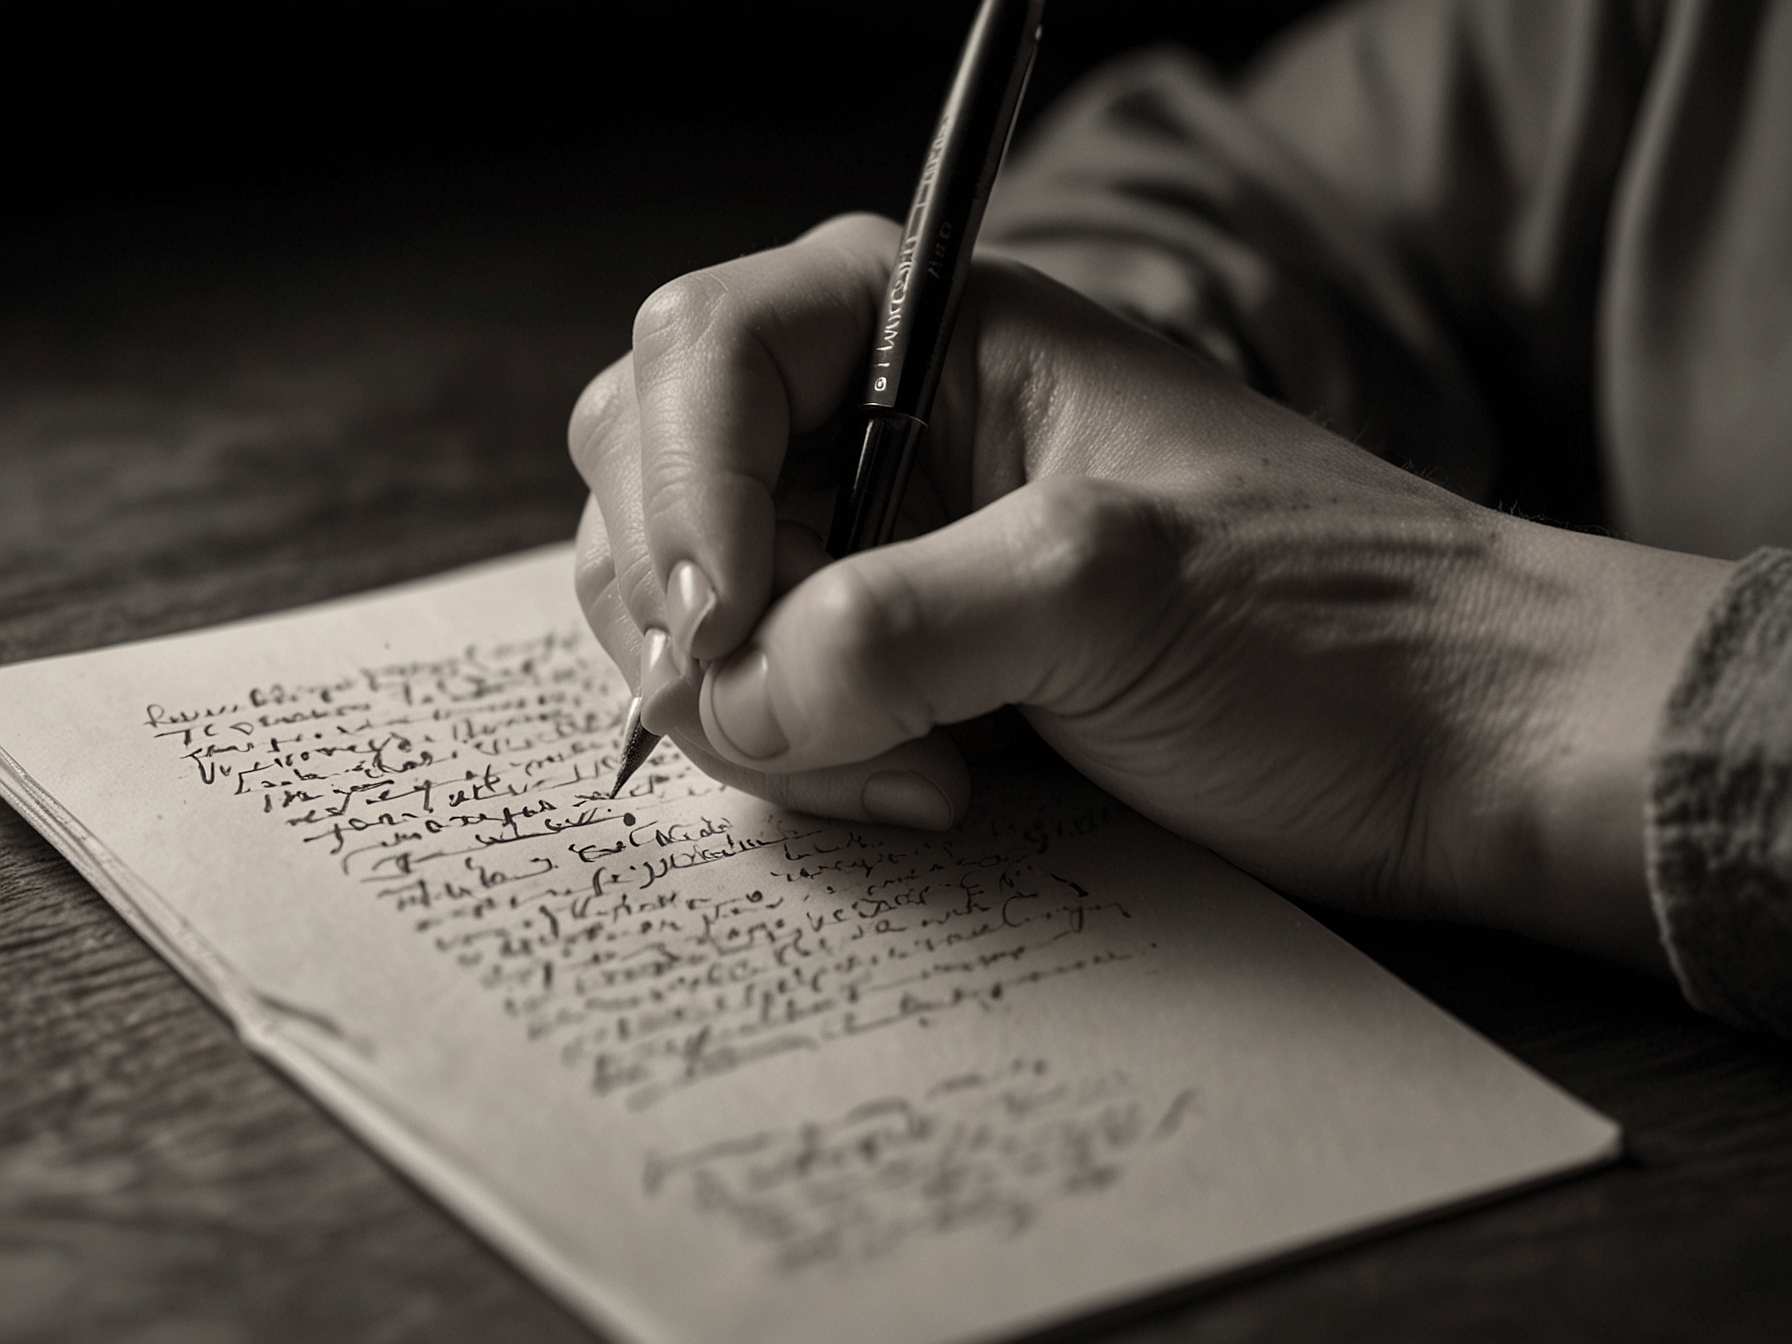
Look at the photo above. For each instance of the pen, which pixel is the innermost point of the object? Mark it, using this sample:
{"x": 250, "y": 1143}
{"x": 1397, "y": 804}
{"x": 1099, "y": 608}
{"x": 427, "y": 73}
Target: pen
{"x": 915, "y": 321}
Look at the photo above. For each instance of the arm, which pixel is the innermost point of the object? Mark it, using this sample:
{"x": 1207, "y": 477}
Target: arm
{"x": 1393, "y": 221}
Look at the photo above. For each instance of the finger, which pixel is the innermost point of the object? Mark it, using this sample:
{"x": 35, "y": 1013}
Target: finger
{"x": 923, "y": 784}
{"x": 605, "y": 439}
{"x": 668, "y": 693}
{"x": 594, "y": 414}
{"x": 669, "y": 685}
{"x": 594, "y": 583}
{"x": 728, "y": 364}
{"x": 604, "y": 436}
{"x": 1054, "y": 596}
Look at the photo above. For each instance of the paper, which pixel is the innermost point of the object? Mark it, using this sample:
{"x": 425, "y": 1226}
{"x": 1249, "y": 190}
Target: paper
{"x": 716, "y": 1072}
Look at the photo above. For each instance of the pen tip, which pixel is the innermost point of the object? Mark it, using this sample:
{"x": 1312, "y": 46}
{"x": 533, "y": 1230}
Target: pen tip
{"x": 637, "y": 745}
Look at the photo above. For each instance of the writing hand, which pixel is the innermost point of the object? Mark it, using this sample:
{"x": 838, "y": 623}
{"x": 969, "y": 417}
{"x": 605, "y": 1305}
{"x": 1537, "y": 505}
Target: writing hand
{"x": 1343, "y": 678}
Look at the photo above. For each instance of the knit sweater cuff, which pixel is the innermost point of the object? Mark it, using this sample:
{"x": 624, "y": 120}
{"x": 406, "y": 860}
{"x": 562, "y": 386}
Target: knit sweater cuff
{"x": 1719, "y": 828}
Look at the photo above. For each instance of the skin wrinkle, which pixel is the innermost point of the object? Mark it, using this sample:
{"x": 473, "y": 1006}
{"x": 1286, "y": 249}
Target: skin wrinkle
{"x": 1307, "y": 606}
{"x": 1401, "y": 866}
{"x": 1381, "y": 759}
{"x": 636, "y": 583}
{"x": 1154, "y": 633}
{"x": 1088, "y": 583}
{"x": 1496, "y": 682}
{"x": 914, "y": 616}
{"x": 999, "y": 441}
{"x": 1194, "y": 551}
{"x": 596, "y": 411}
{"x": 665, "y": 316}
{"x": 918, "y": 616}
{"x": 1044, "y": 426}
{"x": 610, "y": 477}
{"x": 653, "y": 500}
{"x": 594, "y": 572}
{"x": 1051, "y": 558}
{"x": 1042, "y": 408}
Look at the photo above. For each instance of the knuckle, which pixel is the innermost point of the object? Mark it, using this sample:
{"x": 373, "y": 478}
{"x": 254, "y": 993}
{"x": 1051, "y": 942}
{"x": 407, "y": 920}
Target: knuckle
{"x": 592, "y": 573}
{"x": 593, "y": 536}
{"x": 1090, "y": 544}
{"x": 639, "y": 589}
{"x": 869, "y": 626}
{"x": 595, "y": 584}
{"x": 594, "y": 417}
{"x": 614, "y": 637}
{"x": 679, "y": 313}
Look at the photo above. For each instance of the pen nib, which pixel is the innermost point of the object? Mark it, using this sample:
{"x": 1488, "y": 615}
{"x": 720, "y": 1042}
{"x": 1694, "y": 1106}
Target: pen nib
{"x": 637, "y": 746}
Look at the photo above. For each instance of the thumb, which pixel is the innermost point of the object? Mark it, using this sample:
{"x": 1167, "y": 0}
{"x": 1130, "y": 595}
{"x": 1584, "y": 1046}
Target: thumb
{"x": 1048, "y": 598}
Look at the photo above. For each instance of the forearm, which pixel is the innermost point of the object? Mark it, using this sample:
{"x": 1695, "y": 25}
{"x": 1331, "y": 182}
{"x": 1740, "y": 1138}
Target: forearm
{"x": 1630, "y": 613}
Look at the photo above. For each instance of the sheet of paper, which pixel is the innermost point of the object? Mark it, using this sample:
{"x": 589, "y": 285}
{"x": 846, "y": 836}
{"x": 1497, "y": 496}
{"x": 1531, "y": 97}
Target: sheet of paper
{"x": 715, "y": 1072}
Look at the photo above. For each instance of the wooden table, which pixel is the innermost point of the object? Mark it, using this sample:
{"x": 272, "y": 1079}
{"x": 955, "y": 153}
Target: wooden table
{"x": 210, "y": 411}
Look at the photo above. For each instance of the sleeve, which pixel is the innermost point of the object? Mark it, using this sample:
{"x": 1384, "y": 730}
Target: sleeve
{"x": 1719, "y": 836}
{"x": 1392, "y": 221}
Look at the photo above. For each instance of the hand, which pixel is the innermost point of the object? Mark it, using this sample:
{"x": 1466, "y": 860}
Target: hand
{"x": 1344, "y": 679}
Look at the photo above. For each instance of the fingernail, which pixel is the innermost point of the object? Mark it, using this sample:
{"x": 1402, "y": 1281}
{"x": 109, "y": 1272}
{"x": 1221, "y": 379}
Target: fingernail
{"x": 659, "y": 674}
{"x": 903, "y": 798}
{"x": 690, "y": 598}
{"x": 741, "y": 703}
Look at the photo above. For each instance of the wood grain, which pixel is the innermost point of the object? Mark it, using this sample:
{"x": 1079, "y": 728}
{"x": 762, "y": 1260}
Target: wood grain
{"x": 191, "y": 431}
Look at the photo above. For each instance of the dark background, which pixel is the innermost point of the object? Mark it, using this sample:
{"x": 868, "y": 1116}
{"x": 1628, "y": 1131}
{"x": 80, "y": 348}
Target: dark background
{"x": 147, "y": 147}
{"x": 148, "y": 109}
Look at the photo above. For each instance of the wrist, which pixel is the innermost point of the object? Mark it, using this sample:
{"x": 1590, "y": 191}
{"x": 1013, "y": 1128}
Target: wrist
{"x": 1627, "y": 615}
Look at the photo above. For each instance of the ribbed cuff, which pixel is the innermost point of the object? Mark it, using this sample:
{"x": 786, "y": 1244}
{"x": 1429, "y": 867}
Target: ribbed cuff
{"x": 1719, "y": 833}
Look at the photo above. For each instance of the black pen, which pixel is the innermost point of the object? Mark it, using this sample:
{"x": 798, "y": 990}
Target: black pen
{"x": 914, "y": 325}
